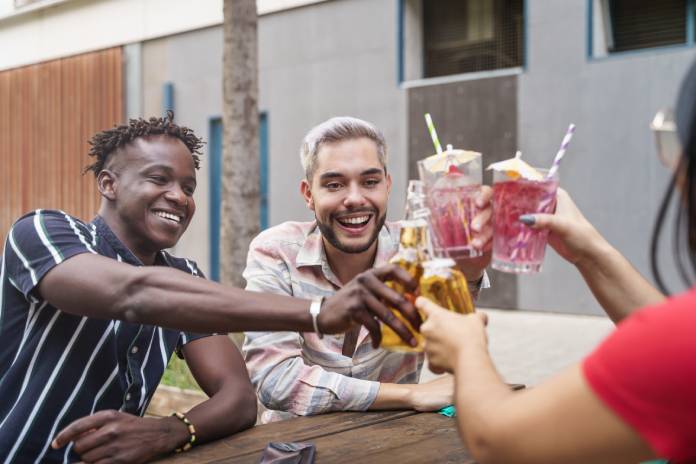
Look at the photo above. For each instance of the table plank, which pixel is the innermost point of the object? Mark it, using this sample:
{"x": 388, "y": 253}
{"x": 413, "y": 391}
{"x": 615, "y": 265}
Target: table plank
{"x": 415, "y": 439}
{"x": 250, "y": 443}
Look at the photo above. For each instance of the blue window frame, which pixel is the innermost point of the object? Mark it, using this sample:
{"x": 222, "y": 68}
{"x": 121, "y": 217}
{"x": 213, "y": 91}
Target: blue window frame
{"x": 215, "y": 185}
{"x": 618, "y": 27}
{"x": 167, "y": 97}
{"x": 490, "y": 35}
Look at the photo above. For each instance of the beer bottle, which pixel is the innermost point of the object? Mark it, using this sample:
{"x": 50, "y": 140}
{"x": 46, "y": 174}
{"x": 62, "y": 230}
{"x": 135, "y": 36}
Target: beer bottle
{"x": 414, "y": 244}
{"x": 443, "y": 284}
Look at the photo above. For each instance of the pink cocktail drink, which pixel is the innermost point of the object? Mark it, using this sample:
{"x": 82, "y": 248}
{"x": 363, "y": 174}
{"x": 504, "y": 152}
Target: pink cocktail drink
{"x": 452, "y": 210}
{"x": 518, "y": 248}
{"x": 452, "y": 182}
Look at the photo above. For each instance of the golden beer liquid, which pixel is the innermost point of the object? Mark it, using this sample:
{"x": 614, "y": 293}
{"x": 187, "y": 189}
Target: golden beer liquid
{"x": 448, "y": 288}
{"x": 412, "y": 243}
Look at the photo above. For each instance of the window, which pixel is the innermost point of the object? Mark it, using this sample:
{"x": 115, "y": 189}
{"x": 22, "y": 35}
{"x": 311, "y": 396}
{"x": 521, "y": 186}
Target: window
{"x": 461, "y": 36}
{"x": 626, "y": 25}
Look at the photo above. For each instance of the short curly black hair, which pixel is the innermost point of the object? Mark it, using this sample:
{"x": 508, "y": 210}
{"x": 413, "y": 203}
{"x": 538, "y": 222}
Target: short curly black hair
{"x": 104, "y": 143}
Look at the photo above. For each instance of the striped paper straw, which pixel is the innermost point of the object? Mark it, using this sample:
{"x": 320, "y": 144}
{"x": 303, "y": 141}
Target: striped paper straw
{"x": 561, "y": 151}
{"x": 433, "y": 134}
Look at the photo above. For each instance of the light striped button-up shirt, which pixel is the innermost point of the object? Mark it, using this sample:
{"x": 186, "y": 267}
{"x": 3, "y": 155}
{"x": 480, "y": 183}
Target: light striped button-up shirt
{"x": 56, "y": 367}
{"x": 299, "y": 373}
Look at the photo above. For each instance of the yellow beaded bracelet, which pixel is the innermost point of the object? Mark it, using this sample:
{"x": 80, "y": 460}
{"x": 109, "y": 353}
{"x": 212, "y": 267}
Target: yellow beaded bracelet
{"x": 191, "y": 430}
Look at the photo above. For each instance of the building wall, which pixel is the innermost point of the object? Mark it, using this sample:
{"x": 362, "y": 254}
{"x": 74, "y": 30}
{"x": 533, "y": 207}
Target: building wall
{"x": 51, "y": 29}
{"x": 611, "y": 168}
{"x": 48, "y": 111}
{"x": 312, "y": 65}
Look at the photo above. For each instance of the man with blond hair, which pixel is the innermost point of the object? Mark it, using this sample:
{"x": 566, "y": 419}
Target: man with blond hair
{"x": 347, "y": 186}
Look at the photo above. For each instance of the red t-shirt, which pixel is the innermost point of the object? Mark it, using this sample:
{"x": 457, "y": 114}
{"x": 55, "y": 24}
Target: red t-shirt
{"x": 646, "y": 373}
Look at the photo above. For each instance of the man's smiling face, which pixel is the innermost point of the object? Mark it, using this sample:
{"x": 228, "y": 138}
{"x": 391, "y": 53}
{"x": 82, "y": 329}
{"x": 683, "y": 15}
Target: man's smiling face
{"x": 348, "y": 193}
{"x": 154, "y": 183}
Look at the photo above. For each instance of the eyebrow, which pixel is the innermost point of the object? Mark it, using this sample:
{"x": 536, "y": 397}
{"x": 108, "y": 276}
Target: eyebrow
{"x": 372, "y": 171}
{"x": 330, "y": 175}
{"x": 168, "y": 169}
{"x": 335, "y": 175}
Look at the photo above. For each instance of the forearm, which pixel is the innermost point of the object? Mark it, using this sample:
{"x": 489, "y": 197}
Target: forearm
{"x": 174, "y": 299}
{"x": 479, "y": 393}
{"x": 393, "y": 396}
{"x": 223, "y": 415}
{"x": 293, "y": 386}
{"x": 615, "y": 283}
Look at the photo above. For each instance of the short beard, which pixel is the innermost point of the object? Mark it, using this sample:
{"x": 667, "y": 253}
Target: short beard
{"x": 330, "y": 235}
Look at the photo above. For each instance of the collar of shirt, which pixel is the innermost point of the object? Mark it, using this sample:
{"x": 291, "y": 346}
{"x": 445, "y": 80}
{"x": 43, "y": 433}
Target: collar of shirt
{"x": 313, "y": 253}
{"x": 127, "y": 256}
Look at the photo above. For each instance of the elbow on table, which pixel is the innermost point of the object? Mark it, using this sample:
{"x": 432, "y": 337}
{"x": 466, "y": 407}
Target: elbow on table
{"x": 246, "y": 409}
{"x": 484, "y": 444}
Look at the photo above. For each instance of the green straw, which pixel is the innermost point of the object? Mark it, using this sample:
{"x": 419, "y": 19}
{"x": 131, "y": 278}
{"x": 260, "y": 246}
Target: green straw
{"x": 433, "y": 134}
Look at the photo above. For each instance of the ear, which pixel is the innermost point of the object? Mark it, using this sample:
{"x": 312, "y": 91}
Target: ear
{"x": 389, "y": 184}
{"x": 106, "y": 181}
{"x": 306, "y": 191}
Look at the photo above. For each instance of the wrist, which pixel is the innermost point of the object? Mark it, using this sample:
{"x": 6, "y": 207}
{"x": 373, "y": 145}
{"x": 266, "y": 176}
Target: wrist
{"x": 598, "y": 251}
{"x": 176, "y": 434}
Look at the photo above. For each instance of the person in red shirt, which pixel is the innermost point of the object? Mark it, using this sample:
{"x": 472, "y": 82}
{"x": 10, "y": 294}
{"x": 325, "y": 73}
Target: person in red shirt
{"x": 634, "y": 398}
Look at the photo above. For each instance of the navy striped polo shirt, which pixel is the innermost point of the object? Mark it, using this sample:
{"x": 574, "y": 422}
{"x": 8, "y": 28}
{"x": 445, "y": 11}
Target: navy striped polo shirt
{"x": 56, "y": 367}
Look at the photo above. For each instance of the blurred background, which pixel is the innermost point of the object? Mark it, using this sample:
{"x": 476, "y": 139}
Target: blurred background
{"x": 496, "y": 75}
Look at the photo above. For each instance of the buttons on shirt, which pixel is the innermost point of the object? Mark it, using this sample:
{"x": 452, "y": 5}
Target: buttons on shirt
{"x": 128, "y": 396}
{"x": 134, "y": 350}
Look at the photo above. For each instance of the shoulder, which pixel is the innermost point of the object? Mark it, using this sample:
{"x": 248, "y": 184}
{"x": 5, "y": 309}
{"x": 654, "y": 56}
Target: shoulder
{"x": 289, "y": 235}
{"x": 645, "y": 372}
{"x": 46, "y": 217}
{"x": 46, "y": 225}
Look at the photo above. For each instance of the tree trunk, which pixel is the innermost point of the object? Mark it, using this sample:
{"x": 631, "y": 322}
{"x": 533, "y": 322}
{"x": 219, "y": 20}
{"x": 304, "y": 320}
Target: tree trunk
{"x": 240, "y": 177}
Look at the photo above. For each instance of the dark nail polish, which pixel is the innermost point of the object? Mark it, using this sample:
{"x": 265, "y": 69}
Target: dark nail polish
{"x": 527, "y": 219}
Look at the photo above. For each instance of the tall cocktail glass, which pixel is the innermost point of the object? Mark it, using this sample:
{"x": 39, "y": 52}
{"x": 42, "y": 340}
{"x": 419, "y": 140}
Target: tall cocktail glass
{"x": 518, "y": 248}
{"x": 452, "y": 181}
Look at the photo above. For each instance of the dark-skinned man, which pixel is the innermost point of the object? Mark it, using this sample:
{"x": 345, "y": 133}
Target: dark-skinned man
{"x": 91, "y": 312}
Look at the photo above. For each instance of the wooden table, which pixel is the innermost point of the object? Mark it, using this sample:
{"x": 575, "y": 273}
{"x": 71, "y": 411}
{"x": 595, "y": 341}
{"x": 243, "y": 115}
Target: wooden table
{"x": 401, "y": 437}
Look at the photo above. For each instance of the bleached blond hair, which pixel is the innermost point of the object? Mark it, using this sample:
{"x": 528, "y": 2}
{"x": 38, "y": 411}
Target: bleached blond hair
{"x": 338, "y": 129}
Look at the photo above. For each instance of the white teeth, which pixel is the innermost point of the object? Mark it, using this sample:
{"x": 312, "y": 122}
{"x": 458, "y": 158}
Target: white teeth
{"x": 356, "y": 220}
{"x": 170, "y": 216}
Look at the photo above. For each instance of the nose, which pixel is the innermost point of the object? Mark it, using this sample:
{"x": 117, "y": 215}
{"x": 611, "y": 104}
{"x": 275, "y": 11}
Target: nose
{"x": 354, "y": 197}
{"x": 176, "y": 195}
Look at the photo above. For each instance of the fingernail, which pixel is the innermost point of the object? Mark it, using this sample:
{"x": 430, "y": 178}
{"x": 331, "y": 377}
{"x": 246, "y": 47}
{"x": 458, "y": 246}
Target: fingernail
{"x": 527, "y": 219}
{"x": 476, "y": 225}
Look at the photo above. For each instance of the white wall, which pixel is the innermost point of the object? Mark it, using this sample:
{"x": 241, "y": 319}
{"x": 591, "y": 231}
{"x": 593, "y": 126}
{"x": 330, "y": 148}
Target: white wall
{"x": 57, "y": 28}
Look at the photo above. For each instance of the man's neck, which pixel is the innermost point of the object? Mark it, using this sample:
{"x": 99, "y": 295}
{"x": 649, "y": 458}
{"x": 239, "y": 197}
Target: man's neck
{"x": 347, "y": 265}
{"x": 118, "y": 228}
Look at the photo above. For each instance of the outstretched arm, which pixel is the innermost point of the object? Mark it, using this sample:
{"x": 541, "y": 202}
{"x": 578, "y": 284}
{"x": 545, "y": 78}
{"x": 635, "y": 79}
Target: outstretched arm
{"x": 561, "y": 420}
{"x": 615, "y": 283}
{"x": 95, "y": 286}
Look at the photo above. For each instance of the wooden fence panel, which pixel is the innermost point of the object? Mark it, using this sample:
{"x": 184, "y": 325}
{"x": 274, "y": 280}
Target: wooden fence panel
{"x": 48, "y": 112}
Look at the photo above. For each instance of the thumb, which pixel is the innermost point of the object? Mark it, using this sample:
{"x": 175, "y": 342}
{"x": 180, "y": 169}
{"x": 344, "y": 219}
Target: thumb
{"x": 427, "y": 306}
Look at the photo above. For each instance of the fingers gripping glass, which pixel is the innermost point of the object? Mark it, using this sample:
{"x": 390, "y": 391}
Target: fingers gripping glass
{"x": 664, "y": 128}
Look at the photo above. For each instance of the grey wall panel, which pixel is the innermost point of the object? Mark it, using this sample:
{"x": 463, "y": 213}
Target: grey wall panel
{"x": 479, "y": 115}
{"x": 611, "y": 168}
{"x": 330, "y": 59}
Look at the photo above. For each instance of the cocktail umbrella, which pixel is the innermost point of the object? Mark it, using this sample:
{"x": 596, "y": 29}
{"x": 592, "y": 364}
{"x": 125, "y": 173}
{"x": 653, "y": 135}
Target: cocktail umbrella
{"x": 516, "y": 167}
{"x": 441, "y": 162}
